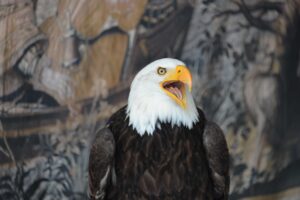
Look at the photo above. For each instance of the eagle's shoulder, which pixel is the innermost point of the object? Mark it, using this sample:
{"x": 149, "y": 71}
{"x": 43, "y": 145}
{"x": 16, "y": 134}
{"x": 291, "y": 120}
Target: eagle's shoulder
{"x": 119, "y": 116}
{"x": 217, "y": 154}
{"x": 218, "y": 158}
{"x": 118, "y": 123}
{"x": 101, "y": 161}
{"x": 201, "y": 120}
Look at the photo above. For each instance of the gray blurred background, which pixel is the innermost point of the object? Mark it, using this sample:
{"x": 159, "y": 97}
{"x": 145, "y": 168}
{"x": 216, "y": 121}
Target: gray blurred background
{"x": 66, "y": 66}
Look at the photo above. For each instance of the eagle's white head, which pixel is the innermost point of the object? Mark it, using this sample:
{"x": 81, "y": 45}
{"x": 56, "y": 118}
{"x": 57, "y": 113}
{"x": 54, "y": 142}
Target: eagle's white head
{"x": 161, "y": 92}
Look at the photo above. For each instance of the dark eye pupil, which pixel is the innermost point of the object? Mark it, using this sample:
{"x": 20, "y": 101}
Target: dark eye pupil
{"x": 161, "y": 71}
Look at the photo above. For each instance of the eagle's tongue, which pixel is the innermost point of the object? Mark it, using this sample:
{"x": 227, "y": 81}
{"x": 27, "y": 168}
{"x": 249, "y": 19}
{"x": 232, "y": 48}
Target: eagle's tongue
{"x": 176, "y": 92}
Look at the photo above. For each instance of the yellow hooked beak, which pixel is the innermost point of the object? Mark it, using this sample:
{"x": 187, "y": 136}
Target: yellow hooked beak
{"x": 175, "y": 84}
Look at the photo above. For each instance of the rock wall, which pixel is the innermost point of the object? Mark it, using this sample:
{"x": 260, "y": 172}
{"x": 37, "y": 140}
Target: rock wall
{"x": 245, "y": 56}
{"x": 66, "y": 66}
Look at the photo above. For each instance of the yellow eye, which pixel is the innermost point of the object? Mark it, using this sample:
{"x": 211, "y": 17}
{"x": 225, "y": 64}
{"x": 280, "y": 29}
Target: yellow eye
{"x": 161, "y": 71}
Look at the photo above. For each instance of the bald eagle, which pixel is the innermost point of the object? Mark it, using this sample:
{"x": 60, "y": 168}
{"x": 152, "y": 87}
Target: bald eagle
{"x": 159, "y": 146}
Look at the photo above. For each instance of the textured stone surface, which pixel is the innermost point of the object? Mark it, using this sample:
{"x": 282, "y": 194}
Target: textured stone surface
{"x": 244, "y": 55}
{"x": 236, "y": 49}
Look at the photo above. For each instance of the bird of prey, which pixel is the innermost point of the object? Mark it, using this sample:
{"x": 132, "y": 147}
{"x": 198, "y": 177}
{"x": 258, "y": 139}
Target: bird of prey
{"x": 159, "y": 146}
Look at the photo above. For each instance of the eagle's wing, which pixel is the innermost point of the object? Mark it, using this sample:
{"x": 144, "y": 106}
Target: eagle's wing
{"x": 218, "y": 159}
{"x": 101, "y": 169}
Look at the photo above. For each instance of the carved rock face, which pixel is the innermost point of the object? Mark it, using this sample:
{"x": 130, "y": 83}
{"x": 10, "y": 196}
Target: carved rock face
{"x": 10, "y": 82}
{"x": 18, "y": 36}
{"x": 18, "y": 32}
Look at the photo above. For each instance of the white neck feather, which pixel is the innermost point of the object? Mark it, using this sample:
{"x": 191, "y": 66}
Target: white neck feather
{"x": 148, "y": 104}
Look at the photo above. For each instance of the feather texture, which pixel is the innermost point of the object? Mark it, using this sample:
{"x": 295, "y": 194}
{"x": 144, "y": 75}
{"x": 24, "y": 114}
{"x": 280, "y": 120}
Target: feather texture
{"x": 172, "y": 163}
{"x": 101, "y": 163}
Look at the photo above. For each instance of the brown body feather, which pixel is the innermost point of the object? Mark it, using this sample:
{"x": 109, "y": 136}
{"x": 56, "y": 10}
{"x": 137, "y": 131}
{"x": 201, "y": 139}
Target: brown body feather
{"x": 173, "y": 163}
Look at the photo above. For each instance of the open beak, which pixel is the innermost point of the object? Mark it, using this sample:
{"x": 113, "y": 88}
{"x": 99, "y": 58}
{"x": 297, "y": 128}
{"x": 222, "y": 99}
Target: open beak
{"x": 176, "y": 83}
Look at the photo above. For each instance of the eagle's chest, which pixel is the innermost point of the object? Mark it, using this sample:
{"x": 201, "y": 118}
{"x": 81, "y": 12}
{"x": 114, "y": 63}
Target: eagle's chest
{"x": 166, "y": 146}
{"x": 169, "y": 162}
